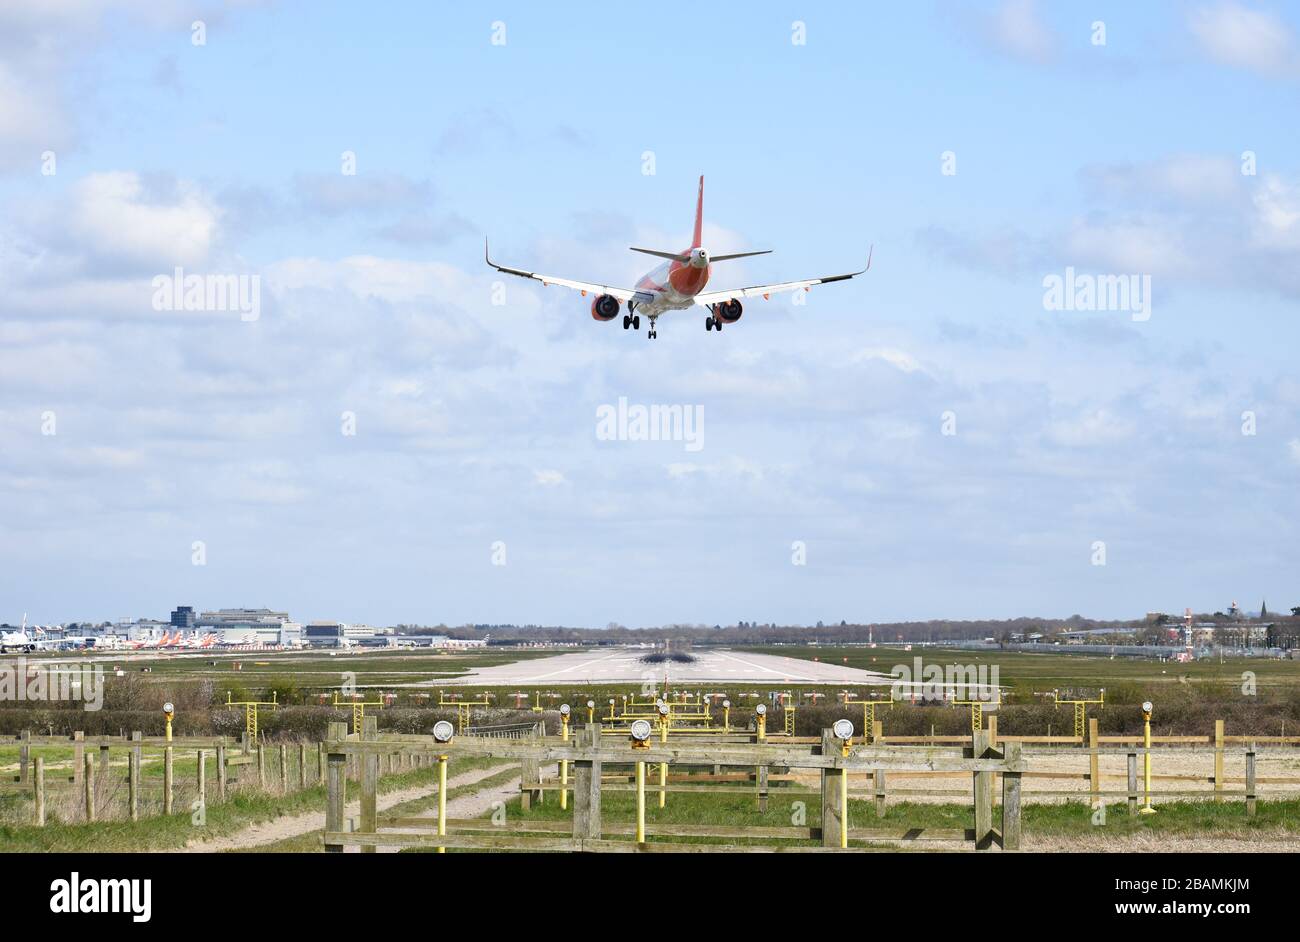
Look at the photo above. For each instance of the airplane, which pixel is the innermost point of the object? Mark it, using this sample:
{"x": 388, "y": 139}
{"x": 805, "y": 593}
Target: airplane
{"x": 20, "y": 640}
{"x": 676, "y": 285}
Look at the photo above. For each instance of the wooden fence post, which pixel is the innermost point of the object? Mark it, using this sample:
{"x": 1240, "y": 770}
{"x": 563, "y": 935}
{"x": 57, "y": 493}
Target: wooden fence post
{"x": 201, "y": 778}
{"x": 221, "y": 773}
{"x": 78, "y": 758}
{"x": 586, "y": 789}
{"x": 761, "y": 782}
{"x": 261, "y": 767}
{"x": 24, "y": 756}
{"x": 284, "y": 769}
{"x": 530, "y": 773}
{"x": 320, "y": 763}
{"x": 878, "y": 779}
{"x": 336, "y": 785}
{"x": 302, "y": 766}
{"x": 1218, "y": 760}
{"x": 137, "y": 751}
{"x": 1250, "y": 780}
{"x": 992, "y": 722}
{"x": 101, "y": 781}
{"x": 832, "y": 813}
{"x": 369, "y": 781}
{"x": 1094, "y": 762}
{"x": 88, "y": 782}
{"x": 878, "y": 730}
{"x": 133, "y": 777}
{"x": 168, "y": 779}
{"x": 1011, "y": 798}
{"x": 39, "y": 795}
{"x": 983, "y": 793}
{"x": 1132, "y": 783}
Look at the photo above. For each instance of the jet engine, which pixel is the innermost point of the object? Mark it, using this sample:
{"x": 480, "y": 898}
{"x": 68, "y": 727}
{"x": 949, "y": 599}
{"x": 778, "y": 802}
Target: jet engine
{"x": 604, "y": 307}
{"x": 728, "y": 311}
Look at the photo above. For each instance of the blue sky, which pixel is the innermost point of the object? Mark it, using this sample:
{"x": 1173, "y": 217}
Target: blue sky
{"x": 476, "y": 422}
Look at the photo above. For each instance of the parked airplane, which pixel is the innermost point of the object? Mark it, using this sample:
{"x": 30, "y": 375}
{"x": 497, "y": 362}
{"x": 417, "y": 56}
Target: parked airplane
{"x": 20, "y": 640}
{"x": 676, "y": 285}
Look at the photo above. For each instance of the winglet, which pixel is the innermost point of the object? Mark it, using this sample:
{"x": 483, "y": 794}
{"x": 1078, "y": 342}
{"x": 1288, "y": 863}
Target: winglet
{"x": 699, "y": 216}
{"x": 870, "y": 249}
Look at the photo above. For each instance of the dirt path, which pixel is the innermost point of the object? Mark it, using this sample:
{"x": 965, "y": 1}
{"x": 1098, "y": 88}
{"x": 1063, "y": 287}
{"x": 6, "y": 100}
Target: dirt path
{"x": 279, "y": 829}
{"x": 1242, "y": 842}
{"x": 473, "y": 805}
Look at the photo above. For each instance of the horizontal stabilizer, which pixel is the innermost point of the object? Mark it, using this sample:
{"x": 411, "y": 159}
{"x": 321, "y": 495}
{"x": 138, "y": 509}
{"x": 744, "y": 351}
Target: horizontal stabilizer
{"x": 727, "y": 258}
{"x": 674, "y": 256}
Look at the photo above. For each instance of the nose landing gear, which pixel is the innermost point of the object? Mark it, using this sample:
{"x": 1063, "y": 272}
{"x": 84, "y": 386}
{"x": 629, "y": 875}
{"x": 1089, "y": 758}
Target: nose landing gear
{"x": 653, "y": 333}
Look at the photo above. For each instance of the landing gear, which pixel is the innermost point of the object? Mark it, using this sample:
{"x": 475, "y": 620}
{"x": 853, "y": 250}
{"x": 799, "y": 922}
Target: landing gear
{"x": 708, "y": 323}
{"x": 653, "y": 332}
{"x": 627, "y": 322}
{"x": 636, "y": 322}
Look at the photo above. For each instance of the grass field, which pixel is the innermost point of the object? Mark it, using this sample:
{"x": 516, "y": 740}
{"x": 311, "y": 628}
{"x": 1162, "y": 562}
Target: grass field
{"x": 1055, "y": 823}
{"x": 222, "y": 818}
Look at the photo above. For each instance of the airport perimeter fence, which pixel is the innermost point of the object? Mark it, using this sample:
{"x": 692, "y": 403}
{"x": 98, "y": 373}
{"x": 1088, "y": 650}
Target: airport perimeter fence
{"x": 83, "y": 779}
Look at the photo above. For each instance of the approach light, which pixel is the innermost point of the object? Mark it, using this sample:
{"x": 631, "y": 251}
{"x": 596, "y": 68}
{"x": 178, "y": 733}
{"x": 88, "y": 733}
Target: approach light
{"x": 843, "y": 730}
{"x": 663, "y": 708}
{"x": 443, "y": 731}
{"x": 760, "y": 709}
{"x": 592, "y": 703}
{"x": 640, "y": 731}
{"x": 564, "y": 709}
{"x": 1146, "y": 707}
{"x": 726, "y": 704}
{"x": 169, "y": 708}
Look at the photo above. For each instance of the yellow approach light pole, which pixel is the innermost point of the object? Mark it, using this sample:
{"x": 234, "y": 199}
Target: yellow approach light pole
{"x": 1146, "y": 758}
{"x": 442, "y": 733}
{"x": 564, "y": 763}
{"x": 843, "y": 730}
{"x": 640, "y": 732}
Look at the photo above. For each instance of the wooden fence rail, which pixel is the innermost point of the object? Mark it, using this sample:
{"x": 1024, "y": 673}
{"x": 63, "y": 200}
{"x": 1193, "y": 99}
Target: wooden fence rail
{"x": 591, "y": 751}
{"x": 97, "y": 771}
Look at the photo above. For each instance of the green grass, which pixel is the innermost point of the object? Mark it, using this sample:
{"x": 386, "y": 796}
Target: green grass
{"x": 1175, "y": 818}
{"x": 311, "y": 842}
{"x": 241, "y": 809}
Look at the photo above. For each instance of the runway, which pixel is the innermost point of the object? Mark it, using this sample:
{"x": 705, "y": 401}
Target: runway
{"x": 624, "y": 665}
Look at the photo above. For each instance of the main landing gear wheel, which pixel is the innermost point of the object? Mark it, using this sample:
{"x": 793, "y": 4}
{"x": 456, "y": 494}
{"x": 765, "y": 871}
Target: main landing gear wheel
{"x": 627, "y": 322}
{"x": 717, "y": 324}
{"x": 636, "y": 322}
{"x": 708, "y": 323}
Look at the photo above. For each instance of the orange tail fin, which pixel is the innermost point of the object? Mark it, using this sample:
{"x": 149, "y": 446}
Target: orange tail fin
{"x": 699, "y": 216}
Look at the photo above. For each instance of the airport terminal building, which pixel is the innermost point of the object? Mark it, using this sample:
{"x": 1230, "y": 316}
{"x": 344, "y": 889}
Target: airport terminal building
{"x": 250, "y": 626}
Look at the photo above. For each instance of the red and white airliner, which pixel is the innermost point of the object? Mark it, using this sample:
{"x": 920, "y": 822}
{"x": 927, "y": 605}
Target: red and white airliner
{"x": 676, "y": 285}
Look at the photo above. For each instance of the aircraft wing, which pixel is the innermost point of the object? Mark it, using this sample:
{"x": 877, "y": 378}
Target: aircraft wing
{"x": 623, "y": 294}
{"x": 754, "y": 291}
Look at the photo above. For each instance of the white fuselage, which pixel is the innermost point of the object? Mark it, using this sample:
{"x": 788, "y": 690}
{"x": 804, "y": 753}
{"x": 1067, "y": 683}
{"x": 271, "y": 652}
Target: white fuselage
{"x": 674, "y": 285}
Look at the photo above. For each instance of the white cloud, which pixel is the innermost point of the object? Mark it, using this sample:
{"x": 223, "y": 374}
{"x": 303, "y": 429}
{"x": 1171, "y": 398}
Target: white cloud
{"x": 1277, "y": 203}
{"x": 1238, "y": 36}
{"x": 1016, "y": 29}
{"x": 899, "y": 359}
{"x": 549, "y": 477}
{"x": 115, "y": 215}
